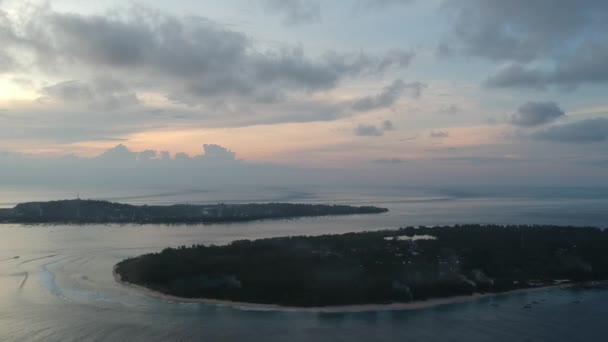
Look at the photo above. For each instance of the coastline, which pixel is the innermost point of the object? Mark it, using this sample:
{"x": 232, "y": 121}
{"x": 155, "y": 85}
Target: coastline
{"x": 355, "y": 308}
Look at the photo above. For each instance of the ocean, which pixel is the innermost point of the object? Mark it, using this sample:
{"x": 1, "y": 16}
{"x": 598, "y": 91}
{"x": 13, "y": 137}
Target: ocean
{"x": 60, "y": 288}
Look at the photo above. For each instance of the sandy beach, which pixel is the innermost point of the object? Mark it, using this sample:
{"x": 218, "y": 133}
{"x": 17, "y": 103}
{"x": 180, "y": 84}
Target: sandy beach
{"x": 415, "y": 305}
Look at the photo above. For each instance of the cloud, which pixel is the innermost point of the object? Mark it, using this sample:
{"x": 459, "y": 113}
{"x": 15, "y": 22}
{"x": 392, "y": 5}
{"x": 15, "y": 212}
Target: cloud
{"x": 584, "y": 131}
{"x": 106, "y": 94}
{"x": 388, "y": 125}
{"x": 516, "y": 75}
{"x": 439, "y": 134}
{"x": 588, "y": 67}
{"x": 374, "y": 131}
{"x": 565, "y": 35}
{"x": 189, "y": 58}
{"x": 536, "y": 113}
{"x": 524, "y": 30}
{"x": 121, "y": 154}
{"x": 295, "y": 12}
{"x": 388, "y": 96}
{"x": 218, "y": 153}
{"x": 138, "y": 69}
{"x": 368, "y": 131}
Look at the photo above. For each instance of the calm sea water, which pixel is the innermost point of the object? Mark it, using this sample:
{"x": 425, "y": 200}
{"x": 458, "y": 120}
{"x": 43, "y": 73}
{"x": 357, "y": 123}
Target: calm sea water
{"x": 61, "y": 288}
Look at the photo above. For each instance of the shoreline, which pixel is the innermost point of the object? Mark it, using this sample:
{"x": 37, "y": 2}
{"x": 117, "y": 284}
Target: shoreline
{"x": 355, "y": 308}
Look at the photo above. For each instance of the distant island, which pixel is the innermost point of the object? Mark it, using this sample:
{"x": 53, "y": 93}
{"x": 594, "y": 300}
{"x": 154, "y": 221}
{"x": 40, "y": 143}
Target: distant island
{"x": 92, "y": 211}
{"x": 391, "y": 266}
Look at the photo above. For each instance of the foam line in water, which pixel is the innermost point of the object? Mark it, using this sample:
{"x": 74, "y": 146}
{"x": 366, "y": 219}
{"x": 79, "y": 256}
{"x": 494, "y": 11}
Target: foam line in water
{"x": 47, "y": 278}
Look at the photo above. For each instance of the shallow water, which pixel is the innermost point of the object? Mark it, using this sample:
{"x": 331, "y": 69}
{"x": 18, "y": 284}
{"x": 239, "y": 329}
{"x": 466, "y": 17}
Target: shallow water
{"x": 61, "y": 287}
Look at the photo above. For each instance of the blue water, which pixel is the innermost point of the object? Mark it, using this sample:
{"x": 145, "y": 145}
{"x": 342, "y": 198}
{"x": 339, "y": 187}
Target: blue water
{"x": 61, "y": 288}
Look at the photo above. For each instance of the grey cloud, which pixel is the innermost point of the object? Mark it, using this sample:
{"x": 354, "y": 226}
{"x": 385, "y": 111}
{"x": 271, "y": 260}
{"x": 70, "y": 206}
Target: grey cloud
{"x": 586, "y": 67}
{"x": 397, "y": 58}
{"x": 439, "y": 134}
{"x": 365, "y": 64}
{"x": 220, "y": 74}
{"x": 565, "y": 33}
{"x": 536, "y": 113}
{"x": 106, "y": 94}
{"x": 388, "y": 125}
{"x": 368, "y": 131}
{"x": 374, "y": 131}
{"x": 181, "y": 156}
{"x": 121, "y": 154}
{"x": 146, "y": 155}
{"x": 388, "y": 96}
{"x": 295, "y": 12}
{"x": 191, "y": 58}
{"x": 517, "y": 75}
{"x": 523, "y": 30}
{"x": 266, "y": 77}
{"x": 585, "y": 131}
{"x": 74, "y": 124}
{"x": 217, "y": 152}
{"x": 416, "y": 88}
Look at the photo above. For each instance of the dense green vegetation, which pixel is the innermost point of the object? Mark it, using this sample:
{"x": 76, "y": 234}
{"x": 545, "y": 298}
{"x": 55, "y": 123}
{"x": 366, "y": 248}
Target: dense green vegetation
{"x": 89, "y": 211}
{"x": 376, "y": 267}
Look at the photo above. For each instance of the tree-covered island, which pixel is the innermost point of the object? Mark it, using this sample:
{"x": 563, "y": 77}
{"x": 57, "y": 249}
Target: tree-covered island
{"x": 92, "y": 211}
{"x": 391, "y": 266}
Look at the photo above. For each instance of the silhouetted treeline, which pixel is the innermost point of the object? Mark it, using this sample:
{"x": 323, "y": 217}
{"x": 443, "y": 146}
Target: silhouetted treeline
{"x": 89, "y": 211}
{"x": 376, "y": 267}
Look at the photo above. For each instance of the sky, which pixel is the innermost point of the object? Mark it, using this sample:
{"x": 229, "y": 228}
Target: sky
{"x": 378, "y": 91}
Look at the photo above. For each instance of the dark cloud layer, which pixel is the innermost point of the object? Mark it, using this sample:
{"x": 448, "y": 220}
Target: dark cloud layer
{"x": 528, "y": 34}
{"x": 584, "y": 131}
{"x": 536, "y": 113}
{"x": 586, "y": 67}
{"x": 191, "y": 58}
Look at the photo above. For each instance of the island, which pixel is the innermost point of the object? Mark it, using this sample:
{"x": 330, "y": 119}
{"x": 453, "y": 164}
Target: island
{"x": 94, "y": 211}
{"x": 377, "y": 267}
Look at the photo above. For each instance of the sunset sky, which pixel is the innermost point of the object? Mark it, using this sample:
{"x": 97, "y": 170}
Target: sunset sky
{"x": 475, "y": 87}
